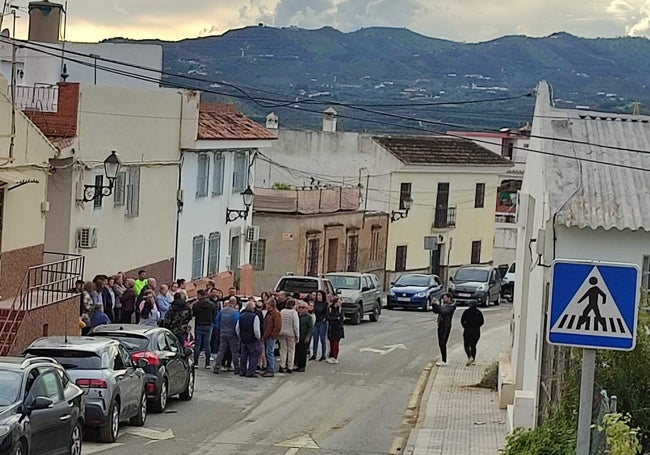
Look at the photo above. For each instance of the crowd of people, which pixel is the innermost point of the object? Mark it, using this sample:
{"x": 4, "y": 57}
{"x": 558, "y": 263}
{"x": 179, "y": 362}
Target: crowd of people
{"x": 235, "y": 334}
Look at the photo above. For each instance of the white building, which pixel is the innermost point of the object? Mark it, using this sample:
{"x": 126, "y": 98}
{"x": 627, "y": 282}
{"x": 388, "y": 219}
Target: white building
{"x": 215, "y": 170}
{"x": 579, "y": 200}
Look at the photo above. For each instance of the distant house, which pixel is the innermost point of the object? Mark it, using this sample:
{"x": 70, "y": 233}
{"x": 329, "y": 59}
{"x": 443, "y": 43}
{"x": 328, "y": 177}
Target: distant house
{"x": 311, "y": 232}
{"x": 580, "y": 199}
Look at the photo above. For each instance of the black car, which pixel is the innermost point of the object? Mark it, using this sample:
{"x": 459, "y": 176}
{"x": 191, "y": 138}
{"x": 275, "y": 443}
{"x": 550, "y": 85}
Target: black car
{"x": 41, "y": 409}
{"x": 170, "y": 366}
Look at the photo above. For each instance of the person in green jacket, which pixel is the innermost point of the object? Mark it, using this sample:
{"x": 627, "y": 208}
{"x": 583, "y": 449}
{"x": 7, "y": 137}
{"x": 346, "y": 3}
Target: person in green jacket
{"x": 140, "y": 283}
{"x": 306, "y": 328}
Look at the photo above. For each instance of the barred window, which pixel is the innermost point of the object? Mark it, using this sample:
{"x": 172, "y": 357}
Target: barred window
{"x": 258, "y": 254}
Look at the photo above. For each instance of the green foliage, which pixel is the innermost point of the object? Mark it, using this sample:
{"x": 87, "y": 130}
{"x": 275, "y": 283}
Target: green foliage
{"x": 621, "y": 438}
{"x": 556, "y": 436}
{"x": 281, "y": 186}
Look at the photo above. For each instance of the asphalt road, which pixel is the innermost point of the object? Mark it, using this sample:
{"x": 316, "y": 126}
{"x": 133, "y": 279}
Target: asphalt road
{"x": 355, "y": 407}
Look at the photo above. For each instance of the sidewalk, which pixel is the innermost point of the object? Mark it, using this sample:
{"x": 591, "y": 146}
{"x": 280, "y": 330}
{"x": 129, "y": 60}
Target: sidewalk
{"x": 455, "y": 417}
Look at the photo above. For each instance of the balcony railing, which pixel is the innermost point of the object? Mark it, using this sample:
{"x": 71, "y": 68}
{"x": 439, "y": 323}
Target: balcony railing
{"x": 39, "y": 98}
{"x": 53, "y": 281}
{"x": 445, "y": 217}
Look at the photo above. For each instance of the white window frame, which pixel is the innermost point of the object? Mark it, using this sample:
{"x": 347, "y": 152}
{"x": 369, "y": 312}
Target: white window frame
{"x": 202, "y": 175}
{"x": 239, "y": 172}
{"x": 198, "y": 253}
{"x": 213, "y": 252}
{"x": 218, "y": 173}
{"x": 133, "y": 192}
{"x": 258, "y": 254}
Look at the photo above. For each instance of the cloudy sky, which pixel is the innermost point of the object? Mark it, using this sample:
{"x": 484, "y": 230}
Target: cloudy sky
{"x": 460, "y": 20}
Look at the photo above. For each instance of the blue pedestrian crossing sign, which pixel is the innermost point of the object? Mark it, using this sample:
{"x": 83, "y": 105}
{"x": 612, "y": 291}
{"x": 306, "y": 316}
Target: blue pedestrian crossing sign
{"x": 593, "y": 304}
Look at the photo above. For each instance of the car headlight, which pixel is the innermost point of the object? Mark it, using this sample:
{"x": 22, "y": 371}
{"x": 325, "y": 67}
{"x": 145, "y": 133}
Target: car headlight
{"x": 421, "y": 294}
{"x": 346, "y": 300}
{"x": 391, "y": 292}
{"x": 452, "y": 286}
{"x": 482, "y": 287}
{"x": 4, "y": 430}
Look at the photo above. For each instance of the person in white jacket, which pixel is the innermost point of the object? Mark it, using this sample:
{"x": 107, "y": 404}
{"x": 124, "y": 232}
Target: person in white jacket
{"x": 289, "y": 336}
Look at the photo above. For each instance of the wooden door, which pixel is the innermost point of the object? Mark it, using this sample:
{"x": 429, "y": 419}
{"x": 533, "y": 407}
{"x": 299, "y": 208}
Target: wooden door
{"x": 332, "y": 255}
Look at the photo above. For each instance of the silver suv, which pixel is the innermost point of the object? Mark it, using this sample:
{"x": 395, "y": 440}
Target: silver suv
{"x": 114, "y": 387}
{"x": 360, "y": 292}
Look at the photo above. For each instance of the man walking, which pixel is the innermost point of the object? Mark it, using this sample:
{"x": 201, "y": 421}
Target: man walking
{"x": 249, "y": 332}
{"x": 226, "y": 322}
{"x": 445, "y": 312}
{"x": 471, "y": 320}
{"x": 306, "y": 327}
{"x": 272, "y": 328}
{"x": 204, "y": 315}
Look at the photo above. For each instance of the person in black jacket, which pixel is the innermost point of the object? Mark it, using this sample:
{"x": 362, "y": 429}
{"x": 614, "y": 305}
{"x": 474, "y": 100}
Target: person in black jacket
{"x": 471, "y": 320}
{"x": 178, "y": 318}
{"x": 445, "y": 312}
{"x": 335, "y": 331}
{"x": 204, "y": 313}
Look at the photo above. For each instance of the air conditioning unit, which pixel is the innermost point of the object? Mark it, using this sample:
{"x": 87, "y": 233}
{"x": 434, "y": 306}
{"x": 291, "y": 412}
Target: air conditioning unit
{"x": 88, "y": 237}
{"x": 252, "y": 233}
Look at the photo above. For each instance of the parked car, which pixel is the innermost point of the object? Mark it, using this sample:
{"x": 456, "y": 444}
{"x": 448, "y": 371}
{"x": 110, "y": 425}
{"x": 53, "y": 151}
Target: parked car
{"x": 414, "y": 290}
{"x": 114, "y": 387}
{"x": 476, "y": 282}
{"x": 170, "y": 366}
{"x": 360, "y": 293}
{"x": 41, "y": 409}
{"x": 304, "y": 285}
{"x": 508, "y": 283}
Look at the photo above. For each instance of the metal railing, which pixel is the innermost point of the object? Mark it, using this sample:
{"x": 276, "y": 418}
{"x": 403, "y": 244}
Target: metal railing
{"x": 38, "y": 98}
{"x": 445, "y": 217}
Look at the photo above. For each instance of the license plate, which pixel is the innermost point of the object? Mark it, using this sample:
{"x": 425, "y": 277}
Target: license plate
{"x": 403, "y": 299}
{"x": 462, "y": 294}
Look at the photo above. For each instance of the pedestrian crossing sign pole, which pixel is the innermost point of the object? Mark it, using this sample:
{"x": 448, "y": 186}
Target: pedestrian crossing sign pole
{"x": 592, "y": 305}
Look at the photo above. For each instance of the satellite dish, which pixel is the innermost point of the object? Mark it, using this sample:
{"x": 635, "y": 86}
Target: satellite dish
{"x": 5, "y": 33}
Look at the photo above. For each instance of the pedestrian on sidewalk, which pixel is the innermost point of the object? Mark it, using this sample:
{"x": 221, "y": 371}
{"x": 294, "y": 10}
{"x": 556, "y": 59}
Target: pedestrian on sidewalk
{"x": 128, "y": 302}
{"x": 272, "y": 327}
{"x": 320, "y": 325}
{"x": 471, "y": 320}
{"x": 203, "y": 311}
{"x": 289, "y": 336}
{"x": 445, "y": 312}
{"x": 249, "y": 331}
{"x": 306, "y": 326}
{"x": 226, "y": 322}
{"x": 178, "y": 317}
{"x": 335, "y": 331}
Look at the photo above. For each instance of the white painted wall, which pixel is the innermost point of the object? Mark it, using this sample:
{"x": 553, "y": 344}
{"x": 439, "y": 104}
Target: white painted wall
{"x": 505, "y": 243}
{"x": 335, "y": 158}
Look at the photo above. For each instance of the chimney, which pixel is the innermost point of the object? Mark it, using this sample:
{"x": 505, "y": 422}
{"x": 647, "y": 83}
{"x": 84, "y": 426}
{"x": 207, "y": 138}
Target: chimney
{"x": 44, "y": 21}
{"x": 272, "y": 121}
{"x": 329, "y": 120}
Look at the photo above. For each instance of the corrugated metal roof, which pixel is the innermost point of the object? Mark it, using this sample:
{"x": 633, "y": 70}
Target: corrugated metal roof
{"x": 440, "y": 150}
{"x": 583, "y": 190}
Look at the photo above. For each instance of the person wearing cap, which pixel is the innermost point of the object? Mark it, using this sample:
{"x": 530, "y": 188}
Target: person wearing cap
{"x": 445, "y": 311}
{"x": 471, "y": 320}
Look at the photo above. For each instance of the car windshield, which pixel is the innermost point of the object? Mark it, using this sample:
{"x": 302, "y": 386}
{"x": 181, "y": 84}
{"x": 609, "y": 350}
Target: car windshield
{"x": 70, "y": 359}
{"x": 130, "y": 341}
{"x": 345, "y": 282}
{"x": 10, "y": 382}
{"x": 412, "y": 280}
{"x": 470, "y": 274}
{"x": 302, "y": 285}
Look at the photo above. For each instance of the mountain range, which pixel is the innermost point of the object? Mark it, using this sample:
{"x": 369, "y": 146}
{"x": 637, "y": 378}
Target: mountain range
{"x": 294, "y": 71}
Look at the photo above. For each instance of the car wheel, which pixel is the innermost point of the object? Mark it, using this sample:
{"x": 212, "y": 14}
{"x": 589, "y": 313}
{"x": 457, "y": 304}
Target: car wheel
{"x": 390, "y": 307}
{"x": 374, "y": 316}
{"x": 141, "y": 417}
{"x": 21, "y": 448}
{"x": 358, "y": 315}
{"x": 109, "y": 431}
{"x": 160, "y": 403}
{"x": 189, "y": 391}
{"x": 379, "y": 306}
{"x": 427, "y": 306}
{"x": 76, "y": 439}
{"x": 498, "y": 300}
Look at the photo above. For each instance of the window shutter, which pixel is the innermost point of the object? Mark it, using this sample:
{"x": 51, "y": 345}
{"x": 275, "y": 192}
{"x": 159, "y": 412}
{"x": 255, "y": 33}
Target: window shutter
{"x": 217, "y": 180}
{"x": 202, "y": 176}
{"x": 119, "y": 190}
{"x": 198, "y": 243}
{"x": 214, "y": 248}
{"x": 133, "y": 193}
{"x": 99, "y": 182}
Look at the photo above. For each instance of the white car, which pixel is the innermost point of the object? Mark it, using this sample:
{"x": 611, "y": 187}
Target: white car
{"x": 508, "y": 283}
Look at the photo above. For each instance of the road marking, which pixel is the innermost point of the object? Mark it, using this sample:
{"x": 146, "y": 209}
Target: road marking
{"x": 92, "y": 447}
{"x": 152, "y": 434}
{"x": 386, "y": 350}
{"x": 301, "y": 442}
{"x": 292, "y": 451}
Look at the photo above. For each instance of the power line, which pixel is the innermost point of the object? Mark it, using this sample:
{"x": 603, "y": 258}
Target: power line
{"x": 246, "y": 96}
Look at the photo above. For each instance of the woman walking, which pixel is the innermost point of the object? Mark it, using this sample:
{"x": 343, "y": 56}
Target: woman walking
{"x": 320, "y": 325}
{"x": 289, "y": 336}
{"x": 471, "y": 320}
{"x": 335, "y": 330}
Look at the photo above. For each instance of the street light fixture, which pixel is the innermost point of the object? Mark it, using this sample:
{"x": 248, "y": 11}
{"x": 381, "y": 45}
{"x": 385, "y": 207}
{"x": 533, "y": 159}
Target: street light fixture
{"x": 233, "y": 214}
{"x": 112, "y": 166}
{"x": 397, "y": 215}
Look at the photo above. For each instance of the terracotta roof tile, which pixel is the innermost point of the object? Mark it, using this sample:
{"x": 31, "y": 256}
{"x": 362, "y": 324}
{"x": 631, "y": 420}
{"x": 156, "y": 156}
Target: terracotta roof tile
{"x": 226, "y": 124}
{"x": 440, "y": 150}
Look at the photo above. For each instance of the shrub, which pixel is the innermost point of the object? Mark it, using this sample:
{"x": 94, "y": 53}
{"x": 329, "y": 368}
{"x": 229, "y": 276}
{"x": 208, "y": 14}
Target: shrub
{"x": 556, "y": 436}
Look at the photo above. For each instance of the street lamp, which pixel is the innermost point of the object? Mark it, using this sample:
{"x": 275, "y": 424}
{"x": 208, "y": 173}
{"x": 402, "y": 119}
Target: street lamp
{"x": 397, "y": 215}
{"x": 233, "y": 214}
{"x": 112, "y": 166}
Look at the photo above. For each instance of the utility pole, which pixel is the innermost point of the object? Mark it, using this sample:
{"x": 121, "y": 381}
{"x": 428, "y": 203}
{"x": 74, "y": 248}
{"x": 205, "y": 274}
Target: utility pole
{"x": 12, "y": 140}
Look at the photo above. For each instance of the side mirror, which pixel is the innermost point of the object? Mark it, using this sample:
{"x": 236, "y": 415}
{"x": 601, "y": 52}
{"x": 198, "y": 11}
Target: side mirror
{"x": 39, "y": 403}
{"x": 392, "y": 283}
{"x": 338, "y": 291}
{"x": 451, "y": 279}
{"x": 142, "y": 363}
{"x": 365, "y": 289}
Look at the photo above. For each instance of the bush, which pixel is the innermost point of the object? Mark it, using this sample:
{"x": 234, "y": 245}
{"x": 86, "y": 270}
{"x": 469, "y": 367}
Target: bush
{"x": 490, "y": 378}
{"x": 556, "y": 436}
{"x": 621, "y": 439}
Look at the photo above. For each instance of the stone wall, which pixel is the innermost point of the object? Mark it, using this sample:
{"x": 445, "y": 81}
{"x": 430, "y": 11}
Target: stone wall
{"x": 14, "y": 265}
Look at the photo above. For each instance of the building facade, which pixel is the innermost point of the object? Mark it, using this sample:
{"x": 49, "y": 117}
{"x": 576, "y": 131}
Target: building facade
{"x": 313, "y": 232}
